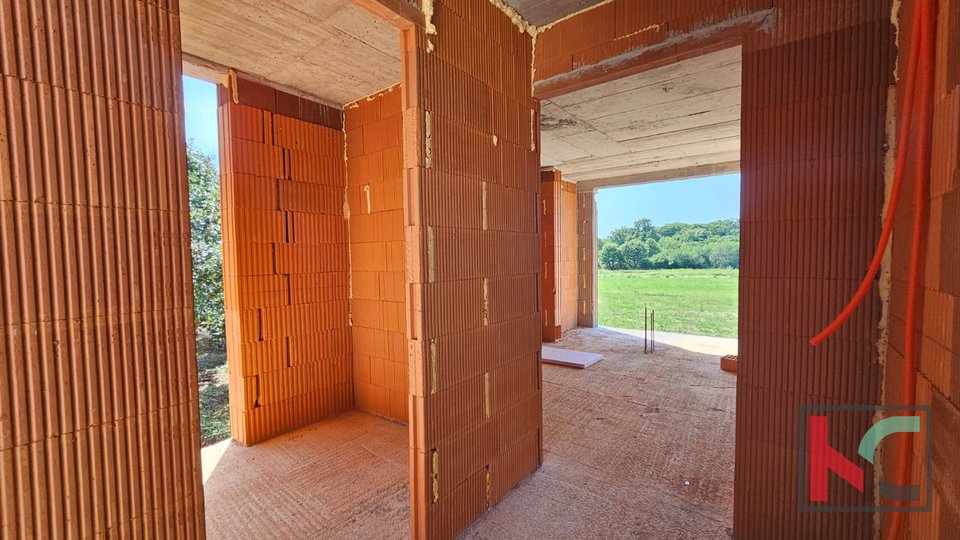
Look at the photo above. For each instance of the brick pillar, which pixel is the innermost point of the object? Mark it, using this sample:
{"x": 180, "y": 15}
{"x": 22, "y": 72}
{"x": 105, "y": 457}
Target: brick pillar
{"x": 99, "y": 432}
{"x": 285, "y": 261}
{"x": 472, "y": 238}
{"x": 587, "y": 260}
{"x": 550, "y": 253}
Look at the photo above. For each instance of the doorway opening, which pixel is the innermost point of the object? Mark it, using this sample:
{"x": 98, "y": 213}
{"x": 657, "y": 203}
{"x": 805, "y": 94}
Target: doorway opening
{"x": 203, "y": 175}
{"x": 658, "y": 428}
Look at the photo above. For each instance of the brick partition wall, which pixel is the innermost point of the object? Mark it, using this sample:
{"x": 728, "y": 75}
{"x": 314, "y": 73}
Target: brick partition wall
{"x": 938, "y": 328}
{"x": 559, "y": 250}
{"x": 472, "y": 232}
{"x": 550, "y": 200}
{"x": 99, "y": 433}
{"x": 815, "y": 81}
{"x": 569, "y": 265}
{"x": 285, "y": 261}
{"x": 374, "y": 133}
{"x": 587, "y": 259}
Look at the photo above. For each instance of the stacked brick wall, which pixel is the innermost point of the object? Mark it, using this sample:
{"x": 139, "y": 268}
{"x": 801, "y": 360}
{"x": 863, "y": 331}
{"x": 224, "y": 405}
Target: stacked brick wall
{"x": 550, "y": 253}
{"x": 285, "y": 261}
{"x": 374, "y": 133}
{"x": 569, "y": 247}
{"x": 587, "y": 259}
{"x": 99, "y": 433}
{"x": 815, "y": 82}
{"x": 472, "y": 183}
{"x": 938, "y": 328}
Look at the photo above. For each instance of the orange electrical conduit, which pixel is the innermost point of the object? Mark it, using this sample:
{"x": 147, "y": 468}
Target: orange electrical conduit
{"x": 922, "y": 52}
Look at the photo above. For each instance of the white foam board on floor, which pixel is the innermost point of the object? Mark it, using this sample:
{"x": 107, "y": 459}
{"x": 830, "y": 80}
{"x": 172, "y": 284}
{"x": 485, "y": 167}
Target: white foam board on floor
{"x": 566, "y": 357}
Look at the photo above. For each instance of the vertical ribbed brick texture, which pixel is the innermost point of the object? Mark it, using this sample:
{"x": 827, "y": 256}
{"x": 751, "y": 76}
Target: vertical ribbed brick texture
{"x": 815, "y": 81}
{"x": 374, "y": 138}
{"x": 550, "y": 283}
{"x": 99, "y": 433}
{"x": 472, "y": 235}
{"x": 569, "y": 264}
{"x": 938, "y": 328}
{"x": 587, "y": 267}
{"x": 559, "y": 252}
{"x": 285, "y": 261}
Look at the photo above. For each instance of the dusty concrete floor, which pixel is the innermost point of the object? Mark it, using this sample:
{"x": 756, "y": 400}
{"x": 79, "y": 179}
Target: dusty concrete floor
{"x": 345, "y": 477}
{"x": 636, "y": 446}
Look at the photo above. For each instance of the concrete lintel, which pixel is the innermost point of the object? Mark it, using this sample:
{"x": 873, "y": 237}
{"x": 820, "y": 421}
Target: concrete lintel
{"x": 400, "y": 13}
{"x": 714, "y": 169}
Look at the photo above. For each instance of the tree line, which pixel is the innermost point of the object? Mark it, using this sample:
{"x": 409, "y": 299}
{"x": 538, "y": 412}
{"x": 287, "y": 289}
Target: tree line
{"x": 204, "y": 186}
{"x": 645, "y": 246}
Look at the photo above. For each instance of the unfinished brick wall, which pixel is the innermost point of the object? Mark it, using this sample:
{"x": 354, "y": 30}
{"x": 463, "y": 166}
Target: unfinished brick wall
{"x": 374, "y": 133}
{"x": 587, "y": 259}
{"x": 285, "y": 261}
{"x": 813, "y": 152}
{"x": 99, "y": 432}
{"x": 568, "y": 267}
{"x": 550, "y": 200}
{"x": 472, "y": 232}
{"x": 938, "y": 327}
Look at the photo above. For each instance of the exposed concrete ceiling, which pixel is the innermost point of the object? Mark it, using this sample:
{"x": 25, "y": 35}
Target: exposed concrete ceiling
{"x": 541, "y": 12}
{"x": 330, "y": 49}
{"x": 677, "y": 121}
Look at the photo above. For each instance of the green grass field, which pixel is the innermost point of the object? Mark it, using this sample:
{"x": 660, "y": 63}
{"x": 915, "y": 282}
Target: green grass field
{"x": 214, "y": 401}
{"x": 699, "y": 302}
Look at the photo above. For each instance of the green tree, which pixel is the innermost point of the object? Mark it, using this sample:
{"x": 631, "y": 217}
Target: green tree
{"x": 611, "y": 258}
{"x": 674, "y": 245}
{"x": 206, "y": 247}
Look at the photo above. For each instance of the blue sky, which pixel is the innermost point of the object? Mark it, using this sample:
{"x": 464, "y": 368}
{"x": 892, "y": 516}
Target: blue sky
{"x": 694, "y": 201}
{"x": 200, "y": 105}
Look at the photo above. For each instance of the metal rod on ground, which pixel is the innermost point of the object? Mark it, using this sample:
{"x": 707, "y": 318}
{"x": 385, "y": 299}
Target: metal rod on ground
{"x": 644, "y": 330}
{"x": 653, "y": 330}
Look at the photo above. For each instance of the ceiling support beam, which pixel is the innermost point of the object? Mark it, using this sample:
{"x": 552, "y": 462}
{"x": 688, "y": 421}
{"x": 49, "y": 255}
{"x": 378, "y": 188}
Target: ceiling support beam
{"x": 708, "y": 39}
{"x": 698, "y": 171}
{"x": 400, "y": 13}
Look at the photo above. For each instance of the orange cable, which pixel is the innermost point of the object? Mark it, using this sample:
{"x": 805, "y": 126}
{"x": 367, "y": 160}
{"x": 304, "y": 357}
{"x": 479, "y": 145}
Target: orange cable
{"x": 901, "y": 163}
{"x": 922, "y": 52}
{"x": 927, "y": 15}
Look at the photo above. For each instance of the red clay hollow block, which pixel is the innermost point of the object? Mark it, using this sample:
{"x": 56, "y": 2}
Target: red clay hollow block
{"x": 285, "y": 261}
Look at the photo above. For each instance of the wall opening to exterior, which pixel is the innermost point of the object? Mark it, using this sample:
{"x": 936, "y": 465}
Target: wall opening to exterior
{"x": 203, "y": 177}
{"x": 652, "y": 221}
{"x": 670, "y": 250}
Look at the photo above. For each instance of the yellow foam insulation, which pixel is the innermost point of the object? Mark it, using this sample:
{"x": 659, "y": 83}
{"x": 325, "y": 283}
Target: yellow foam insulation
{"x": 356, "y": 103}
{"x": 515, "y": 17}
{"x": 427, "y": 8}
